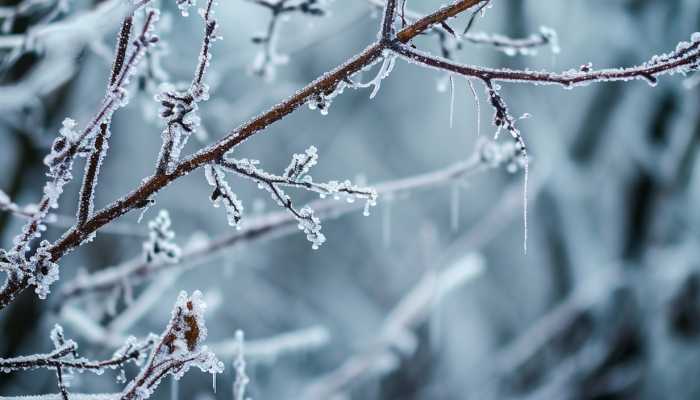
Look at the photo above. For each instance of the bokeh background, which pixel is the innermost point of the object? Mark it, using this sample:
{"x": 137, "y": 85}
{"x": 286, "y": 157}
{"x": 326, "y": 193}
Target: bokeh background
{"x": 604, "y": 305}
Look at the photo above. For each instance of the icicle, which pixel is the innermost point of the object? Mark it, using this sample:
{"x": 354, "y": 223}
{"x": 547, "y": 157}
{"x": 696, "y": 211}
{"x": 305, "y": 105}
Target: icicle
{"x": 213, "y": 381}
{"x": 454, "y": 207}
{"x": 386, "y": 221}
{"x": 478, "y": 106}
{"x": 525, "y": 183}
{"x": 452, "y": 101}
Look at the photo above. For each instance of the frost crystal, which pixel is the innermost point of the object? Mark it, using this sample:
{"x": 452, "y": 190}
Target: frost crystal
{"x": 45, "y": 271}
{"x": 160, "y": 246}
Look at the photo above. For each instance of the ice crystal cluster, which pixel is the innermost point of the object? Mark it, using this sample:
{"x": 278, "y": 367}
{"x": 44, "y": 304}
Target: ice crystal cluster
{"x": 160, "y": 247}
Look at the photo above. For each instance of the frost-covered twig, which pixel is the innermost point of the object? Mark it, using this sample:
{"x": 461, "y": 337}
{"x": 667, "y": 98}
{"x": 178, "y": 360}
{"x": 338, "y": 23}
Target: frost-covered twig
{"x": 449, "y": 39}
{"x": 396, "y": 338}
{"x": 487, "y": 155}
{"x": 65, "y": 357}
{"x": 683, "y": 60}
{"x": 179, "y": 107}
{"x": 296, "y": 175}
{"x": 179, "y": 348}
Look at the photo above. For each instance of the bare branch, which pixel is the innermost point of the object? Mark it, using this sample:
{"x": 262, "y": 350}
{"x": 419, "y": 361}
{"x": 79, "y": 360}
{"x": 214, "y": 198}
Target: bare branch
{"x": 683, "y": 60}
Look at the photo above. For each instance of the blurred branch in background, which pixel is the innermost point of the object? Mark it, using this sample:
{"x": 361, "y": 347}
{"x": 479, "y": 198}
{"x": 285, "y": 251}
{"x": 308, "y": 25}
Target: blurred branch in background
{"x": 396, "y": 338}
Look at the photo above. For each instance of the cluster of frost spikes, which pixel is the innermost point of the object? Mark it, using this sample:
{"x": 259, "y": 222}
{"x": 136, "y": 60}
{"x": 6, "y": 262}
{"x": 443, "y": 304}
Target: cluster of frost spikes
{"x": 295, "y": 176}
{"x": 179, "y": 348}
{"x": 160, "y": 246}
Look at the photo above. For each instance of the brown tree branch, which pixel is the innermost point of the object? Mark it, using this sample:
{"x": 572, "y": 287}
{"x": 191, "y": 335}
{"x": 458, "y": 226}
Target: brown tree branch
{"x": 16, "y": 283}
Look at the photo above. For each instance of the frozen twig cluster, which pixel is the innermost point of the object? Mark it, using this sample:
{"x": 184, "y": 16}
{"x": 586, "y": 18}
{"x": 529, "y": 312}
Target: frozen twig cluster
{"x": 28, "y": 264}
{"x": 179, "y": 348}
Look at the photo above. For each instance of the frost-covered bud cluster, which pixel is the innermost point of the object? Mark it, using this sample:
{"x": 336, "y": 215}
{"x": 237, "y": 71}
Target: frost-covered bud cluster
{"x": 58, "y": 160}
{"x": 179, "y": 111}
{"x": 160, "y": 246}
{"x": 179, "y": 348}
{"x": 44, "y": 270}
{"x": 301, "y": 164}
{"x": 311, "y": 225}
{"x": 223, "y": 194}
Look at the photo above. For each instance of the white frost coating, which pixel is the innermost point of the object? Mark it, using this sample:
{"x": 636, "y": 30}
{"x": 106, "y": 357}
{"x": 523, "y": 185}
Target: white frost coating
{"x": 241, "y": 380}
{"x": 301, "y": 164}
{"x": 179, "y": 348}
{"x": 45, "y": 271}
{"x": 223, "y": 194}
{"x": 452, "y": 101}
{"x": 160, "y": 247}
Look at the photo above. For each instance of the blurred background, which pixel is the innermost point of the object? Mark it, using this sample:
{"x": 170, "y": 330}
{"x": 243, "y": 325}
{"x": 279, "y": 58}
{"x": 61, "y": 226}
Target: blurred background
{"x": 432, "y": 295}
